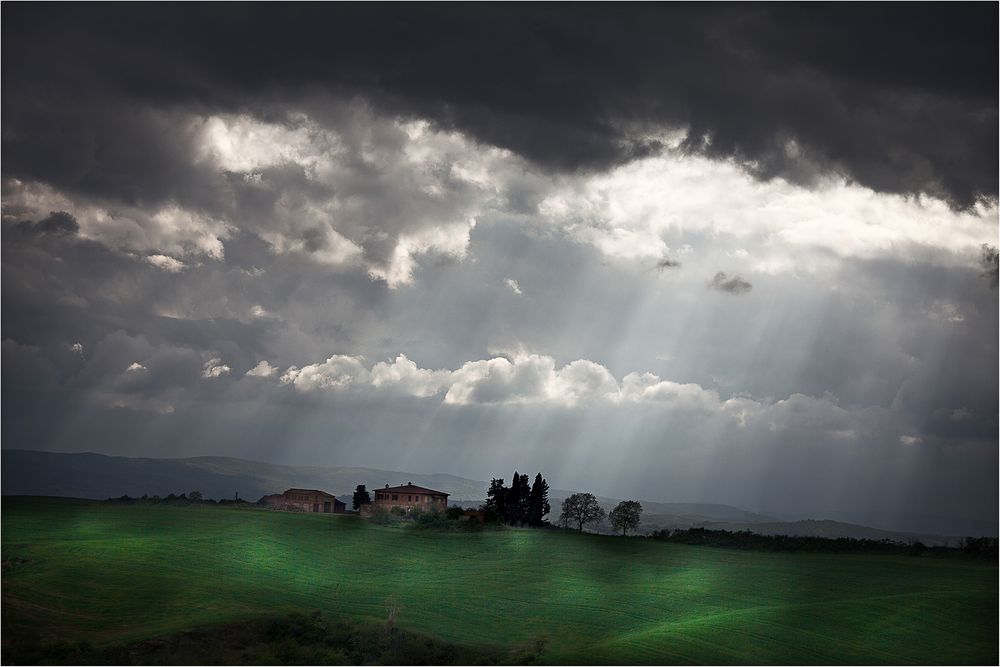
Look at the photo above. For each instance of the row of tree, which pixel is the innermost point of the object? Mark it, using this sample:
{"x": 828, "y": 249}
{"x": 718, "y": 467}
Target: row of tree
{"x": 981, "y": 547}
{"x": 519, "y": 504}
{"x": 194, "y": 497}
{"x": 583, "y": 509}
{"x": 522, "y": 504}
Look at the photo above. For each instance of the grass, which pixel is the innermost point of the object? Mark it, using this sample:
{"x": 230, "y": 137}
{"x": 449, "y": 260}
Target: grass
{"x": 110, "y": 574}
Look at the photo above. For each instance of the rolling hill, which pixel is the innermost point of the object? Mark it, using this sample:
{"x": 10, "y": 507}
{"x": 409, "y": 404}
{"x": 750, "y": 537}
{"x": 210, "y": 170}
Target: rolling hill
{"x": 110, "y": 574}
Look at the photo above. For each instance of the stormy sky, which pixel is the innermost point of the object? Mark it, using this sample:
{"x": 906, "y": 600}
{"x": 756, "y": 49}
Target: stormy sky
{"x": 704, "y": 253}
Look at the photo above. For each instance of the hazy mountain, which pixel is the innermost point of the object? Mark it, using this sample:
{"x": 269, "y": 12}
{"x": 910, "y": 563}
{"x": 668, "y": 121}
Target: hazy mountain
{"x": 98, "y": 476}
{"x": 916, "y": 522}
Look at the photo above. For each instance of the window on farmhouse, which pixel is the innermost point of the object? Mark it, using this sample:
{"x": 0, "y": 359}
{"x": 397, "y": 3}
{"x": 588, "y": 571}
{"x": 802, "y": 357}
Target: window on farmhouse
{"x": 395, "y": 497}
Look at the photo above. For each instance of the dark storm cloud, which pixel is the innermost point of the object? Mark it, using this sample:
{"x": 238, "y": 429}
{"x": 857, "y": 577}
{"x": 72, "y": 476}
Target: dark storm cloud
{"x": 991, "y": 265}
{"x": 150, "y": 252}
{"x": 730, "y": 285}
{"x": 58, "y": 223}
{"x": 900, "y": 98}
{"x": 907, "y": 372}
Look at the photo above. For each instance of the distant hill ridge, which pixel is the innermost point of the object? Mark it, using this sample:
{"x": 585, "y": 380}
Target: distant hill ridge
{"x": 98, "y": 476}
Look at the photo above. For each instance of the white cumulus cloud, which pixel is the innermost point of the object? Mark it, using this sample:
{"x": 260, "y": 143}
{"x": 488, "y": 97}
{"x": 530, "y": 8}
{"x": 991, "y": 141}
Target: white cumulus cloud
{"x": 404, "y": 375}
{"x": 214, "y": 368}
{"x": 338, "y": 371}
{"x": 262, "y": 370}
{"x": 166, "y": 263}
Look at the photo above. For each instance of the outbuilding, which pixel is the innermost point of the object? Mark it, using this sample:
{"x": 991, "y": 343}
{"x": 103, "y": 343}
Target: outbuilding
{"x": 305, "y": 500}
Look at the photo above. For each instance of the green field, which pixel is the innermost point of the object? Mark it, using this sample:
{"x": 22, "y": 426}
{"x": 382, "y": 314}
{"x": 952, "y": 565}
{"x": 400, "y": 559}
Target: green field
{"x": 111, "y": 574}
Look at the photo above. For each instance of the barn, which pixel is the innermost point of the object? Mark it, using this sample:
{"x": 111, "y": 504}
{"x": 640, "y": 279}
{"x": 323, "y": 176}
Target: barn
{"x": 305, "y": 500}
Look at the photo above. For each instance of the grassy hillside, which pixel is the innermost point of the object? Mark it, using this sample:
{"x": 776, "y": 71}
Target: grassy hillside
{"x": 112, "y": 574}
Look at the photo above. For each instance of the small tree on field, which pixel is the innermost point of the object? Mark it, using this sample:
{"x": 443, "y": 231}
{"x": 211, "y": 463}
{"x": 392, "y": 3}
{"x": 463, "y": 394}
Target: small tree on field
{"x": 626, "y": 516}
{"x": 361, "y": 497}
{"x": 581, "y": 508}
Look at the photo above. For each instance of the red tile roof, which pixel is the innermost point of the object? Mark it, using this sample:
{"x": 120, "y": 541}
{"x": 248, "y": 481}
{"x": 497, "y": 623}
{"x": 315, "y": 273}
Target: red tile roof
{"x": 410, "y": 488}
{"x": 324, "y": 493}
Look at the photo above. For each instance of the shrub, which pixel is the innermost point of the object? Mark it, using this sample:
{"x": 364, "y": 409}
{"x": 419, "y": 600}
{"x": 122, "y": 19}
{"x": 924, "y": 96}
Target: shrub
{"x": 431, "y": 517}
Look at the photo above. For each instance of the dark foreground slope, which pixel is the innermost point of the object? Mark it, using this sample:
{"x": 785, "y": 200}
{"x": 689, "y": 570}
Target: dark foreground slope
{"x": 115, "y": 574}
{"x": 292, "y": 639}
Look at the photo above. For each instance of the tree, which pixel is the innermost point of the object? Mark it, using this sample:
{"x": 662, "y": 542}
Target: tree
{"x": 538, "y": 502}
{"x": 517, "y": 500}
{"x": 626, "y": 515}
{"x": 496, "y": 501}
{"x": 195, "y": 496}
{"x": 521, "y": 512}
{"x": 361, "y": 497}
{"x": 581, "y": 508}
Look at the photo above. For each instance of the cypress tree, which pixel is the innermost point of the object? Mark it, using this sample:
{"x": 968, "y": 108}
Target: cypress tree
{"x": 538, "y": 502}
{"x": 524, "y": 500}
{"x": 513, "y": 509}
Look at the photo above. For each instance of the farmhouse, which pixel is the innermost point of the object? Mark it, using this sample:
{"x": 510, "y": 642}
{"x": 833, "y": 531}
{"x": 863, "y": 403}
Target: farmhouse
{"x": 305, "y": 500}
{"x": 409, "y": 497}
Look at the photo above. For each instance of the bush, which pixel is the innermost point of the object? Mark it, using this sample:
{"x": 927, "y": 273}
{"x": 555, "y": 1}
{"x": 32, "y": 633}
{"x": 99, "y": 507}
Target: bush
{"x": 747, "y": 540}
{"x": 454, "y": 513}
{"x": 431, "y": 517}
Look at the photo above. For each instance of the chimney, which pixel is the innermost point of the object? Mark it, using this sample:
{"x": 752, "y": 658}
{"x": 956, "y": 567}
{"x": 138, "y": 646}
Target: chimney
{"x": 387, "y": 486}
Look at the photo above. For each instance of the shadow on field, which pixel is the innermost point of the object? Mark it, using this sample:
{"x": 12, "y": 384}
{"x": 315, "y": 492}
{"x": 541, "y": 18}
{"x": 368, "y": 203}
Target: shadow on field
{"x": 296, "y": 639}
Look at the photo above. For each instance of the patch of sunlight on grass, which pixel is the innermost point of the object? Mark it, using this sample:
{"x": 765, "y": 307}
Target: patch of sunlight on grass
{"x": 107, "y": 573}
